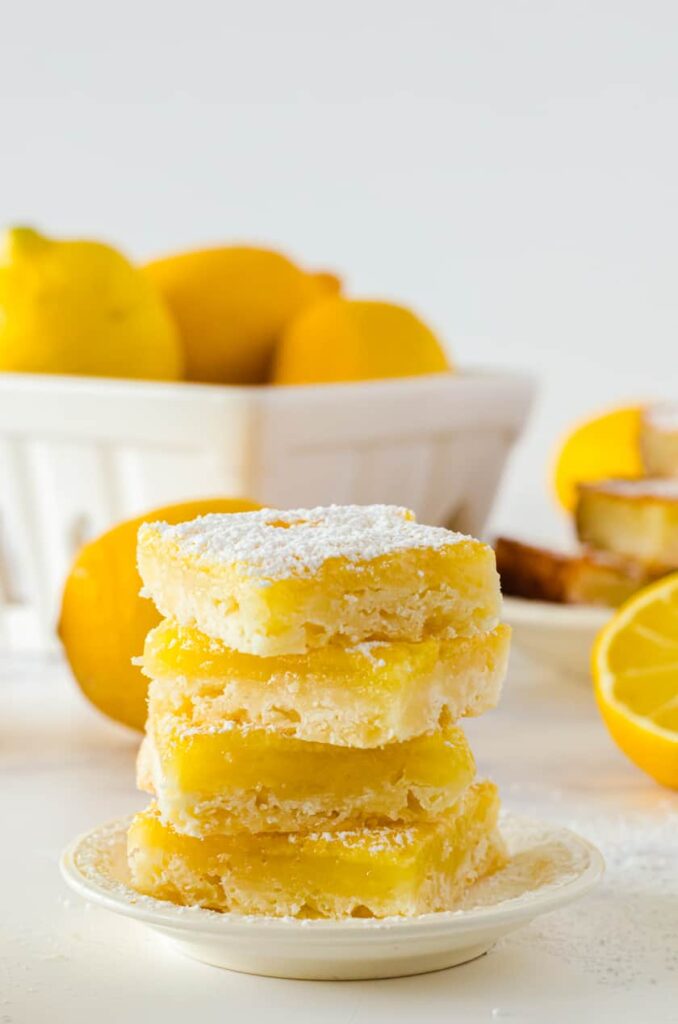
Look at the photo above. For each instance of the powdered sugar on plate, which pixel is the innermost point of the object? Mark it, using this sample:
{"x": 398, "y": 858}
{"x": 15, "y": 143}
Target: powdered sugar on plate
{"x": 628, "y": 930}
{"x": 543, "y": 860}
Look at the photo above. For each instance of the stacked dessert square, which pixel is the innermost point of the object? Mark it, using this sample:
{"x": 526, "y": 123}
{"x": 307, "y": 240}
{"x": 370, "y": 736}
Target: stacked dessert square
{"x": 301, "y": 743}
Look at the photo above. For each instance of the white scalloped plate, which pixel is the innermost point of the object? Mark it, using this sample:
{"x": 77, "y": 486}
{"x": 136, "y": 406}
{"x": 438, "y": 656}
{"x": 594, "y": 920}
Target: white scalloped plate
{"x": 560, "y": 636}
{"x": 548, "y": 867}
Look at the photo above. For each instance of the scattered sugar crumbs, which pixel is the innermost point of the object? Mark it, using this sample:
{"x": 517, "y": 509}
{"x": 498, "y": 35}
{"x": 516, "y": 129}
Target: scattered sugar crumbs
{"x": 626, "y": 930}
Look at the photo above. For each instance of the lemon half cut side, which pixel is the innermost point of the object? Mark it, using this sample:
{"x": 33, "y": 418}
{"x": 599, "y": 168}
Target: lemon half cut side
{"x": 635, "y": 673}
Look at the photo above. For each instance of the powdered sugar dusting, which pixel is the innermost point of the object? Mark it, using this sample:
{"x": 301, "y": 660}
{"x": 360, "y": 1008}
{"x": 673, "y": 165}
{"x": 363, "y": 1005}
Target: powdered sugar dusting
{"x": 374, "y": 840}
{"x": 646, "y": 487}
{"x": 663, "y": 417}
{"x": 629, "y": 928}
{"x": 369, "y": 649}
{"x": 272, "y": 544}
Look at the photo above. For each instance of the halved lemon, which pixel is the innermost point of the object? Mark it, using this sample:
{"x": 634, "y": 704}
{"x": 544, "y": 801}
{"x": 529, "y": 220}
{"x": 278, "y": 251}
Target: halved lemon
{"x": 598, "y": 448}
{"x": 635, "y": 673}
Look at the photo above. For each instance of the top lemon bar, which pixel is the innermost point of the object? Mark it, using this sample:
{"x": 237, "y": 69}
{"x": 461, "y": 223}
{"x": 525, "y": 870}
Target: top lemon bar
{"x": 283, "y": 582}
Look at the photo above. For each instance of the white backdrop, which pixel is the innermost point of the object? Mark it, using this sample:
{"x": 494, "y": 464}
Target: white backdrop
{"x": 508, "y": 168}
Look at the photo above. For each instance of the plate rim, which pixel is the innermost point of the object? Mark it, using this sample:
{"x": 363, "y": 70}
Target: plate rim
{"x": 524, "y": 611}
{"x": 508, "y": 912}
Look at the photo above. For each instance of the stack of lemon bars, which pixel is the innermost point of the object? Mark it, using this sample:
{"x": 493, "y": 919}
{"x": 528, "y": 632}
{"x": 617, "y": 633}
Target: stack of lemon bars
{"x": 301, "y": 744}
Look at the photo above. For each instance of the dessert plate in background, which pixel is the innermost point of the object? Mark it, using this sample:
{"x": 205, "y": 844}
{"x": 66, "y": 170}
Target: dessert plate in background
{"x": 557, "y": 636}
{"x": 548, "y": 867}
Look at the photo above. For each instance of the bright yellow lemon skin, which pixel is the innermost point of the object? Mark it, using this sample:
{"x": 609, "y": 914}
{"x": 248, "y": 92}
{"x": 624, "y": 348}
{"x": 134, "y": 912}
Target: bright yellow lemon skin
{"x": 232, "y": 304}
{"x": 104, "y": 621}
{"x": 350, "y": 340}
{"x": 78, "y": 307}
{"x": 598, "y": 448}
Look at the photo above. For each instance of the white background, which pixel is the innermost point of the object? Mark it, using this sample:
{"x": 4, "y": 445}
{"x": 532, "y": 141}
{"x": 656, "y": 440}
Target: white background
{"x": 508, "y": 168}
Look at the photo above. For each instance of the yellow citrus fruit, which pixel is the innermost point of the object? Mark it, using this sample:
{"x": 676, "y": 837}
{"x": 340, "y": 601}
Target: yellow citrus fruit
{"x": 104, "y": 621}
{"x": 81, "y": 308}
{"x": 635, "y": 672}
{"x": 596, "y": 449}
{"x": 348, "y": 339}
{"x": 231, "y": 305}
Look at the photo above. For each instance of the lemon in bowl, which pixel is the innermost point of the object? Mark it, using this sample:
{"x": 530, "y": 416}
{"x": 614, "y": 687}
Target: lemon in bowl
{"x": 342, "y": 339}
{"x": 80, "y": 307}
{"x": 231, "y": 304}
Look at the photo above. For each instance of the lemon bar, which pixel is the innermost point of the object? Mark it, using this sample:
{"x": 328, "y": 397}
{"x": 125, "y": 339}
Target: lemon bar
{"x": 363, "y": 696}
{"x": 632, "y": 518}
{"x": 590, "y": 577}
{"x": 237, "y": 778}
{"x": 272, "y": 582}
{"x": 359, "y": 872}
{"x": 659, "y": 440}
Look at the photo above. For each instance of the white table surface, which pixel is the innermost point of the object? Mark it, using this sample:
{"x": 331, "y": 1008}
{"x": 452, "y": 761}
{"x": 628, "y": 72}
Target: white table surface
{"x": 612, "y": 956}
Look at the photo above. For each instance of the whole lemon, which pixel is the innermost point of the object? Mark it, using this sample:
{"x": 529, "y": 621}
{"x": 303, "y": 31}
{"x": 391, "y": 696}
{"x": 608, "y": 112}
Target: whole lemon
{"x": 231, "y": 305}
{"x": 104, "y": 621}
{"x": 348, "y": 339}
{"x": 601, "y": 447}
{"x": 81, "y": 308}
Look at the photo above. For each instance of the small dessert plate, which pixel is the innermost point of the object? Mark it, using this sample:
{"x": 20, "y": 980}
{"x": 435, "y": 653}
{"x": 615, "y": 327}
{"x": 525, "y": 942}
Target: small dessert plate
{"x": 548, "y": 867}
{"x": 560, "y": 636}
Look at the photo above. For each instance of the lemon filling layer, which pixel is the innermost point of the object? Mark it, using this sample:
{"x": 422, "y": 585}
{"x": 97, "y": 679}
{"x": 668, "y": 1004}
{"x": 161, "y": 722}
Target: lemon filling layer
{"x": 242, "y": 779}
{"x": 382, "y": 871}
{"x": 275, "y": 582}
{"x": 362, "y": 696}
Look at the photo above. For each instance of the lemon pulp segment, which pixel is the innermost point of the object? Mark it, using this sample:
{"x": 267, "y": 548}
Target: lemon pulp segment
{"x": 635, "y": 671}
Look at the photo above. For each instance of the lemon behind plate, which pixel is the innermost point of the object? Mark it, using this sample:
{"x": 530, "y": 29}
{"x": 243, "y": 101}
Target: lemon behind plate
{"x": 104, "y": 621}
{"x": 601, "y": 447}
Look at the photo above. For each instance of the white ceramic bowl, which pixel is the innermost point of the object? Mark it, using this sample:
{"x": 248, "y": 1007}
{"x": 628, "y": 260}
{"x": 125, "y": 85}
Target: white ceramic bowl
{"x": 79, "y": 454}
{"x": 558, "y": 636}
{"x": 548, "y": 868}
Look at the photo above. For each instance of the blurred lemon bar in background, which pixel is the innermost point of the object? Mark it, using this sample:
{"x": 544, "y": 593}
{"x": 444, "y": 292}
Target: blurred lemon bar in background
{"x": 359, "y": 872}
{"x": 362, "y": 696}
{"x": 659, "y": 439}
{"x": 232, "y": 778}
{"x": 274, "y": 582}
{"x": 636, "y": 519}
{"x": 589, "y": 577}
